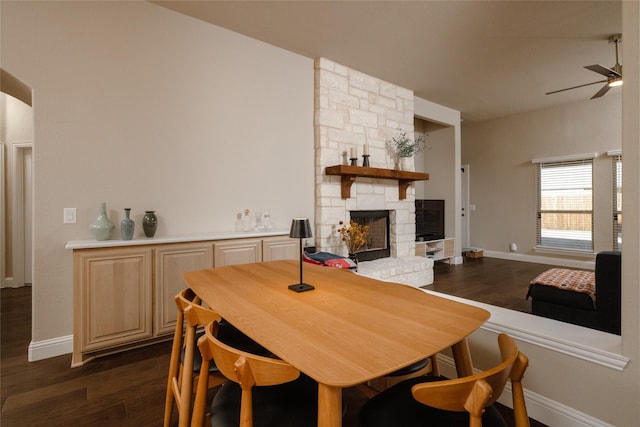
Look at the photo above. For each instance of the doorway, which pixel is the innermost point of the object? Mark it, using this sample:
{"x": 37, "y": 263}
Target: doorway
{"x": 464, "y": 206}
{"x": 22, "y": 213}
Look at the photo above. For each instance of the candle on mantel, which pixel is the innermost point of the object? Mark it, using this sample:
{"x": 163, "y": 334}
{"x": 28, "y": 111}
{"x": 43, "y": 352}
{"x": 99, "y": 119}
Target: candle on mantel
{"x": 353, "y": 153}
{"x": 365, "y": 150}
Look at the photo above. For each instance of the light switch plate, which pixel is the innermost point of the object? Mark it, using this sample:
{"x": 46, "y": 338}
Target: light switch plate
{"x": 69, "y": 215}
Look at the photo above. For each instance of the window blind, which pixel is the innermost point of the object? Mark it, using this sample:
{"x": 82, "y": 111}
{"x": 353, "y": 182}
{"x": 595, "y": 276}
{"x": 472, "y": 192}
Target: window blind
{"x": 564, "y": 217}
{"x": 617, "y": 201}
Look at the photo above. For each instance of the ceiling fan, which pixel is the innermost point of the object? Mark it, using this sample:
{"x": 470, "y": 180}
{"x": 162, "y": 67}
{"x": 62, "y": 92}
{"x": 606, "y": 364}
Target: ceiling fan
{"x": 613, "y": 75}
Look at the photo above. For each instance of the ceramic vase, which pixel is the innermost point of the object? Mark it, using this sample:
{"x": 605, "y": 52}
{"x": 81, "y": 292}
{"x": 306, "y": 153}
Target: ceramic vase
{"x": 102, "y": 228}
{"x": 149, "y": 223}
{"x": 127, "y": 225}
{"x": 354, "y": 258}
{"x": 406, "y": 163}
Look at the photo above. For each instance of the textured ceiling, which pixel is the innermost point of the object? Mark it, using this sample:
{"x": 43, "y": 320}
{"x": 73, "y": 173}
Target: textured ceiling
{"x": 486, "y": 59}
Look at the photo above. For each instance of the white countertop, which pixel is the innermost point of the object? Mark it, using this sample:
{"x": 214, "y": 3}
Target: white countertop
{"x": 89, "y": 244}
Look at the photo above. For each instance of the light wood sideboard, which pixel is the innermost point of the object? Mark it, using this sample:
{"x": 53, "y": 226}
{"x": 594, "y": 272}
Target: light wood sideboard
{"x": 124, "y": 290}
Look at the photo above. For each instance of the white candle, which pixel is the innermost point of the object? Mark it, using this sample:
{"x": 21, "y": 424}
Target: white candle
{"x": 353, "y": 153}
{"x": 365, "y": 150}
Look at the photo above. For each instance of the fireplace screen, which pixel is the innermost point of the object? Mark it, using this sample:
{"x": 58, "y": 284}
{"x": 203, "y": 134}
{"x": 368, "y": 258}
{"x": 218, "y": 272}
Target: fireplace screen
{"x": 377, "y": 245}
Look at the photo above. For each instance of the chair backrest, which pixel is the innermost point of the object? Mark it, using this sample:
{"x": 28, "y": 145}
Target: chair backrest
{"x": 475, "y": 392}
{"x": 180, "y": 382}
{"x": 246, "y": 369}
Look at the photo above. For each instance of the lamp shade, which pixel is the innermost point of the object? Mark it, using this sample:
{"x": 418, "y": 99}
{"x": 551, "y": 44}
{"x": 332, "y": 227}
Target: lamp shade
{"x": 300, "y": 228}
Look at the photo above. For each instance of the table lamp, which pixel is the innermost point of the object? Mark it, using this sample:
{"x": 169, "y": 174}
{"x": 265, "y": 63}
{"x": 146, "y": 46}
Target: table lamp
{"x": 300, "y": 229}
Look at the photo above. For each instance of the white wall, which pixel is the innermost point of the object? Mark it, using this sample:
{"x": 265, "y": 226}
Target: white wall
{"x": 141, "y": 107}
{"x": 117, "y": 76}
{"x": 503, "y": 178}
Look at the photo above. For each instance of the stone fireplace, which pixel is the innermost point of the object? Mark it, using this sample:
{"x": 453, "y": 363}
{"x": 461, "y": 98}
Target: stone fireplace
{"x": 353, "y": 109}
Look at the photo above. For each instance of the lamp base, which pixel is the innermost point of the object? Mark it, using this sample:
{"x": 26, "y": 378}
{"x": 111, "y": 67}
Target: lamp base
{"x": 301, "y": 287}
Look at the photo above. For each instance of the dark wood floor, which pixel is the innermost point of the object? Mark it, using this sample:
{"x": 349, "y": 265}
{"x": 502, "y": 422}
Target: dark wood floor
{"x": 490, "y": 280}
{"x": 128, "y": 389}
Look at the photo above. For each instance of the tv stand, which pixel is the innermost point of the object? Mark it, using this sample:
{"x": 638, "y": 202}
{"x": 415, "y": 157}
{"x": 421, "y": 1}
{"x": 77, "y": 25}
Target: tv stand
{"x": 438, "y": 250}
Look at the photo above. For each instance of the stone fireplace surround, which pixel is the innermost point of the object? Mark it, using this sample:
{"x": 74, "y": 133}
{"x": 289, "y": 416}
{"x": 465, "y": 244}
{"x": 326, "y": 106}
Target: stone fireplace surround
{"x": 353, "y": 109}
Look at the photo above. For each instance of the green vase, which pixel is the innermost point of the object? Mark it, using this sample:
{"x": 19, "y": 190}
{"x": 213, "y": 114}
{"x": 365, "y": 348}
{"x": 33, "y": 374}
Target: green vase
{"x": 149, "y": 223}
{"x": 127, "y": 225}
{"x": 102, "y": 228}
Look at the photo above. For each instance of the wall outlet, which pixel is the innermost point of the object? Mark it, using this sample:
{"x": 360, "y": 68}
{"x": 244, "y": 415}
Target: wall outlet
{"x": 69, "y": 215}
{"x": 513, "y": 247}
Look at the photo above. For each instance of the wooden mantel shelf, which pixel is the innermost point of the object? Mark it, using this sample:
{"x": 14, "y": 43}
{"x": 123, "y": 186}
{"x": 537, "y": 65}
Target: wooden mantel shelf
{"x": 348, "y": 175}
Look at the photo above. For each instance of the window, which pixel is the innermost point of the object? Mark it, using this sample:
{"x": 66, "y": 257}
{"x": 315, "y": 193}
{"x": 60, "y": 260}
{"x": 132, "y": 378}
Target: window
{"x": 617, "y": 200}
{"x": 564, "y": 217}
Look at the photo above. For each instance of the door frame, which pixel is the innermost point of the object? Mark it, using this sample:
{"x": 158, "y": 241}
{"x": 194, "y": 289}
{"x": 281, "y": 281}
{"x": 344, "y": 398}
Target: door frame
{"x": 465, "y": 222}
{"x": 18, "y": 225}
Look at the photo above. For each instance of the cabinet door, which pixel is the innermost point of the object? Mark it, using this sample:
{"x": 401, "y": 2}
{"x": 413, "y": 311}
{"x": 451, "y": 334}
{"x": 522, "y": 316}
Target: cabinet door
{"x": 171, "y": 262}
{"x": 449, "y": 245}
{"x": 279, "y": 248}
{"x": 240, "y": 251}
{"x": 113, "y": 297}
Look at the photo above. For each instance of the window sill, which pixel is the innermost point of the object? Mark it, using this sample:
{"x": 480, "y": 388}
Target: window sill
{"x": 583, "y": 343}
{"x": 558, "y": 251}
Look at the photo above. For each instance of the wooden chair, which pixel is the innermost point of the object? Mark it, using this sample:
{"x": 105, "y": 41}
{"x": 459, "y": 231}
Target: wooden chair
{"x": 428, "y": 401}
{"x": 267, "y": 390}
{"x": 184, "y": 365}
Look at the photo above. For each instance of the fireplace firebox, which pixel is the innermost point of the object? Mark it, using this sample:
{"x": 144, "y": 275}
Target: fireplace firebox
{"x": 377, "y": 245}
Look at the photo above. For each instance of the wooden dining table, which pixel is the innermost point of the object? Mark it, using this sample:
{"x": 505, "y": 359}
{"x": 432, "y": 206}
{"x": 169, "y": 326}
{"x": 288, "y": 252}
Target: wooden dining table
{"x": 349, "y": 330}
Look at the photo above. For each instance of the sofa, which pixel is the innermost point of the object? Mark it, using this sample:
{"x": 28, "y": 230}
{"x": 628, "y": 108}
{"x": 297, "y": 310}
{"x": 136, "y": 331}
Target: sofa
{"x": 600, "y": 311}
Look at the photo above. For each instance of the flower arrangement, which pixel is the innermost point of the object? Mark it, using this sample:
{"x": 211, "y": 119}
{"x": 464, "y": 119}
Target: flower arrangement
{"x": 402, "y": 146}
{"x": 354, "y": 235}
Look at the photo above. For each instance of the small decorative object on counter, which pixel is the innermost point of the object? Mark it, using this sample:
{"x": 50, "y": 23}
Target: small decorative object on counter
{"x": 246, "y": 221}
{"x": 127, "y": 225}
{"x": 149, "y": 223}
{"x": 266, "y": 219}
{"x": 263, "y": 221}
{"x": 238, "y": 224}
{"x": 353, "y": 157}
{"x": 102, "y": 228}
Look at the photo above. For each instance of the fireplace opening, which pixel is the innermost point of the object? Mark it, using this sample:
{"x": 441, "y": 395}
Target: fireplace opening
{"x": 377, "y": 245}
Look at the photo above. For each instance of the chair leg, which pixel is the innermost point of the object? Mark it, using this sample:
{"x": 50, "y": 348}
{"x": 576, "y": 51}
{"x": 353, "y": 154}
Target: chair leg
{"x": 198, "y": 417}
{"x": 174, "y": 363}
{"x": 521, "y": 417}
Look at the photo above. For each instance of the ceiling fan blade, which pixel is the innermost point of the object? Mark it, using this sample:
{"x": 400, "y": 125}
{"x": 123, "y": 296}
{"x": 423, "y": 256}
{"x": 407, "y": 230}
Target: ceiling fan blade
{"x": 602, "y": 91}
{"x": 575, "y": 87}
{"x": 601, "y": 69}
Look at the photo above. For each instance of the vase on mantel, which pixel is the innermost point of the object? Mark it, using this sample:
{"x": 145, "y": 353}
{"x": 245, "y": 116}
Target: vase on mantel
{"x": 102, "y": 227}
{"x": 127, "y": 225}
{"x": 149, "y": 223}
{"x": 406, "y": 163}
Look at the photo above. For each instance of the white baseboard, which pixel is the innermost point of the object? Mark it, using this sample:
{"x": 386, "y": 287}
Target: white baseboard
{"x": 9, "y": 282}
{"x": 39, "y": 350}
{"x": 561, "y": 262}
{"x": 540, "y": 408}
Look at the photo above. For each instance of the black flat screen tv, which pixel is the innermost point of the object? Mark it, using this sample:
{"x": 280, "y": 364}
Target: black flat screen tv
{"x": 429, "y": 219}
